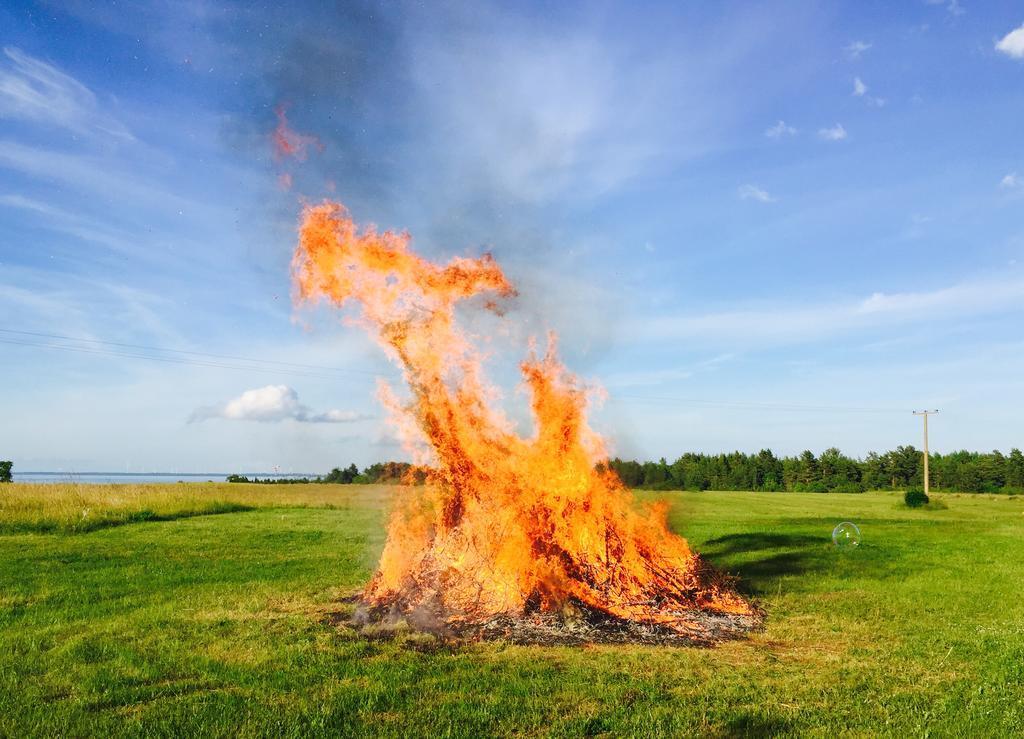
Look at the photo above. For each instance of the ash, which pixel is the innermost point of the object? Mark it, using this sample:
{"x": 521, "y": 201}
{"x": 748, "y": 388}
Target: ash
{"x": 576, "y": 624}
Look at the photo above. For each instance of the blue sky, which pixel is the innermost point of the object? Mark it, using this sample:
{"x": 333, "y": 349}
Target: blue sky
{"x": 756, "y": 225}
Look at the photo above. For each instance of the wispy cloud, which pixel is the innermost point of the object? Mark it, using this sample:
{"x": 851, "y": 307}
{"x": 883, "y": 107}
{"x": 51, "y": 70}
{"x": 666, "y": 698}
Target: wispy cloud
{"x": 1011, "y": 181}
{"x": 74, "y": 304}
{"x": 62, "y": 221}
{"x": 32, "y": 90}
{"x": 855, "y": 49}
{"x": 272, "y": 404}
{"x": 95, "y": 175}
{"x": 860, "y": 90}
{"x": 780, "y": 130}
{"x": 753, "y": 192}
{"x": 1012, "y": 44}
{"x": 667, "y": 375}
{"x": 953, "y": 7}
{"x": 768, "y": 324}
{"x": 835, "y": 133}
{"x": 917, "y": 226}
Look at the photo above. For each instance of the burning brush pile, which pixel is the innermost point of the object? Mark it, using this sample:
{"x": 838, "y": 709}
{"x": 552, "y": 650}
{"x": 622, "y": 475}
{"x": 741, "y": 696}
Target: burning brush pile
{"x": 524, "y": 539}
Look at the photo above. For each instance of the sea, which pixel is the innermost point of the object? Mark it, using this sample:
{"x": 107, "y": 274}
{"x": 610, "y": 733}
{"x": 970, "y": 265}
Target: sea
{"x": 107, "y": 478}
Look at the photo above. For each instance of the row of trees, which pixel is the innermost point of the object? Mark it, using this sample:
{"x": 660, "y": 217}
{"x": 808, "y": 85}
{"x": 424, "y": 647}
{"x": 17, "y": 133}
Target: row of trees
{"x": 379, "y": 472}
{"x": 832, "y": 471}
{"x": 274, "y": 480}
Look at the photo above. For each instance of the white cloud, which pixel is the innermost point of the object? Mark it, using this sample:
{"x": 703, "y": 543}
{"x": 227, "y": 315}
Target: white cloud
{"x": 33, "y": 90}
{"x": 836, "y": 133}
{"x": 753, "y": 192}
{"x": 856, "y": 48}
{"x": 1012, "y": 44}
{"x": 1011, "y": 181}
{"x": 779, "y": 130}
{"x": 272, "y": 404}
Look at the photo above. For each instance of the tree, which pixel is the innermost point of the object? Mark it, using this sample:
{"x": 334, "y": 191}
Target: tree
{"x": 631, "y": 473}
{"x": 904, "y": 466}
{"x": 768, "y": 471}
{"x": 1015, "y": 470}
{"x": 874, "y": 473}
{"x": 809, "y": 473}
{"x": 348, "y": 475}
{"x": 5, "y": 471}
{"x": 993, "y": 471}
{"x": 656, "y": 474}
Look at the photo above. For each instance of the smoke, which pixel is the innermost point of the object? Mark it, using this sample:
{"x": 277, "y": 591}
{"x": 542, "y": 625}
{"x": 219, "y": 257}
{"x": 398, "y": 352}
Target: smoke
{"x": 479, "y": 128}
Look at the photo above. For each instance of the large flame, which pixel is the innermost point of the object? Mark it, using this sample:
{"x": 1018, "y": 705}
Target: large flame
{"x": 505, "y": 524}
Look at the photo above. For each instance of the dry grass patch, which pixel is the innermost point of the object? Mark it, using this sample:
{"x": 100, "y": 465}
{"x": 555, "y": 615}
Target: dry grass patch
{"x": 76, "y": 507}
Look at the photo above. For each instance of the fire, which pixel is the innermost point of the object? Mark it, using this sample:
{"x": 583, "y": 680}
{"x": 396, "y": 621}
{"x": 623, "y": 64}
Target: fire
{"x": 289, "y": 143}
{"x": 506, "y": 524}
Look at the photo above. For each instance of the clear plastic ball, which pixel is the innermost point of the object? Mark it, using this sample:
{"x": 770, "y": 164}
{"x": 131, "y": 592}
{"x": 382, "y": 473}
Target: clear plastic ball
{"x": 846, "y": 535}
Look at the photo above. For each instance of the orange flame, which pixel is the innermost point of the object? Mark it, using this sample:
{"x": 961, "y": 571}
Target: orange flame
{"x": 506, "y": 524}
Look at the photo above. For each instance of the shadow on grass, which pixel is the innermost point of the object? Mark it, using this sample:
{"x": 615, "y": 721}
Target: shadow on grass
{"x": 760, "y": 558}
{"x": 750, "y": 724}
{"x": 739, "y": 543}
{"x": 732, "y": 552}
{"x": 111, "y": 519}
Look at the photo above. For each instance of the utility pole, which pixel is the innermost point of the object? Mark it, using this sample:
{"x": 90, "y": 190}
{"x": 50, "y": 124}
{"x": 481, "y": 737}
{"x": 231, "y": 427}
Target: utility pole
{"x": 924, "y": 415}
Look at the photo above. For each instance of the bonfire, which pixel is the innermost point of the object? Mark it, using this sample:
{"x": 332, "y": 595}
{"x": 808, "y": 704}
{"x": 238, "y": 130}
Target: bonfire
{"x": 526, "y": 538}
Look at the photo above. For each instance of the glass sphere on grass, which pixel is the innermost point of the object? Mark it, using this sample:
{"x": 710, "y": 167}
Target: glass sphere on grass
{"x": 846, "y": 535}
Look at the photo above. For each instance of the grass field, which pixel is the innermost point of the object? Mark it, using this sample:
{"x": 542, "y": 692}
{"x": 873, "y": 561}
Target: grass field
{"x": 134, "y": 610}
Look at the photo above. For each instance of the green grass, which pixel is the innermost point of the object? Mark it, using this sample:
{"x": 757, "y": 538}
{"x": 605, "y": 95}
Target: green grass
{"x": 212, "y": 624}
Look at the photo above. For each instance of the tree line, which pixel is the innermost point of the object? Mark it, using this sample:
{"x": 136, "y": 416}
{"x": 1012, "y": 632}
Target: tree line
{"x": 831, "y": 471}
{"x": 379, "y": 472}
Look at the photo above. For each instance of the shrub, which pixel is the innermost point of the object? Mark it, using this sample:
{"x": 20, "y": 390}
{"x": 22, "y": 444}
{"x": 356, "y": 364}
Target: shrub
{"x": 5, "y": 471}
{"x": 915, "y": 498}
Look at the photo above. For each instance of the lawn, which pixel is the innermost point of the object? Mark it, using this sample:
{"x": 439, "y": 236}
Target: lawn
{"x": 200, "y": 609}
